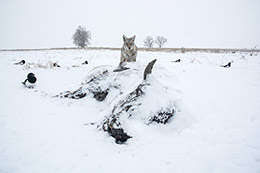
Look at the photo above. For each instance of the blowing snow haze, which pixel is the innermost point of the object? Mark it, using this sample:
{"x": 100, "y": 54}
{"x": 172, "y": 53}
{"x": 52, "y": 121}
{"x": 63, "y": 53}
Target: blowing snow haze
{"x": 185, "y": 23}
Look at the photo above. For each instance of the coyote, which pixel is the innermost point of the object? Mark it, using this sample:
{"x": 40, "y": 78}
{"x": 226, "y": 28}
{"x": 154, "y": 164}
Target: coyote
{"x": 129, "y": 50}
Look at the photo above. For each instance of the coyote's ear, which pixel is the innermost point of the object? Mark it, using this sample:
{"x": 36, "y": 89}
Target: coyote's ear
{"x": 124, "y": 38}
{"x": 133, "y": 38}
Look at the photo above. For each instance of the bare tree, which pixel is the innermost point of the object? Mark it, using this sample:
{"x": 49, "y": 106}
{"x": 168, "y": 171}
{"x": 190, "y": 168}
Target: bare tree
{"x": 148, "y": 42}
{"x": 81, "y": 37}
{"x": 160, "y": 41}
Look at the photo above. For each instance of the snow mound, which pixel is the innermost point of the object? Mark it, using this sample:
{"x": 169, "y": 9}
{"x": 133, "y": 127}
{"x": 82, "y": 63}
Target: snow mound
{"x": 215, "y": 127}
{"x": 130, "y": 96}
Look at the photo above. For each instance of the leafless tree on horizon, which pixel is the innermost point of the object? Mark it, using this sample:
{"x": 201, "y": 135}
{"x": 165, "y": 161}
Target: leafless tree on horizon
{"x": 81, "y": 37}
{"x": 160, "y": 41}
{"x": 148, "y": 42}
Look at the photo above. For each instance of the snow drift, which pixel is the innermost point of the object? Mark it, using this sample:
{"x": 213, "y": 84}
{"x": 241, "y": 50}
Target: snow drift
{"x": 215, "y": 127}
{"x": 104, "y": 81}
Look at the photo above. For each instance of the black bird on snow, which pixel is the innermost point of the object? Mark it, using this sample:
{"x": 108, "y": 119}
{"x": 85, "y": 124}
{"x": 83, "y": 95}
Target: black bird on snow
{"x": 20, "y": 63}
{"x": 226, "y": 66}
{"x": 56, "y": 65}
{"x": 30, "y": 81}
{"x": 178, "y": 60}
{"x": 86, "y": 62}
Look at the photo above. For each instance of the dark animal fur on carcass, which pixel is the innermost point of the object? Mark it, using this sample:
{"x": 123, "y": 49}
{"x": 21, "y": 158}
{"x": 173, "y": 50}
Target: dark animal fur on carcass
{"x": 112, "y": 123}
{"x": 97, "y": 92}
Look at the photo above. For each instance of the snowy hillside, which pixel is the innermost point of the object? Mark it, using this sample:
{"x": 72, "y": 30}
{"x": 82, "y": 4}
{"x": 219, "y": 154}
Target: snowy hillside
{"x": 215, "y": 126}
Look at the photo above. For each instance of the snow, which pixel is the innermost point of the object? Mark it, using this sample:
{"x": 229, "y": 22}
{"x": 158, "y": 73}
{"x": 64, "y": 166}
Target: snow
{"x": 215, "y": 128}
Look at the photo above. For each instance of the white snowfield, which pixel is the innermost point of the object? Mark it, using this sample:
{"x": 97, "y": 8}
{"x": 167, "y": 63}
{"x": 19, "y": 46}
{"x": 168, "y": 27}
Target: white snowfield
{"x": 216, "y": 126}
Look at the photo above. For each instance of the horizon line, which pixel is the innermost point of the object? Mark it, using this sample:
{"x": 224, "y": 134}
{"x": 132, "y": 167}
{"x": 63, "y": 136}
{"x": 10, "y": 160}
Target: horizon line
{"x": 181, "y": 49}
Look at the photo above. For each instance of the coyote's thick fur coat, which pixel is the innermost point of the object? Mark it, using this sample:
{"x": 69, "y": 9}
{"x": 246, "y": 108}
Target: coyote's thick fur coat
{"x": 129, "y": 50}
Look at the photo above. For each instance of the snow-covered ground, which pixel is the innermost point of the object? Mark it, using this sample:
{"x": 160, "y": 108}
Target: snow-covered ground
{"x": 216, "y": 127}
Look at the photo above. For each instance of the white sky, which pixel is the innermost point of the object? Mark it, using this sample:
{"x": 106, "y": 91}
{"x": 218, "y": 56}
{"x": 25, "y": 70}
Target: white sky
{"x": 185, "y": 23}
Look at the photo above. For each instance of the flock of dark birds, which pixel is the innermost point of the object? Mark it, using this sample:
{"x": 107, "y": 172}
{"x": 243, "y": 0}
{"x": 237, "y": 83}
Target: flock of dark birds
{"x": 108, "y": 125}
{"x": 30, "y": 81}
{"x": 225, "y": 66}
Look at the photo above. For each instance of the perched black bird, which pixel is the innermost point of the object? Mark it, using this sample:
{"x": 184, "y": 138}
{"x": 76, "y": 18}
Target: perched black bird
{"x": 226, "y": 66}
{"x": 178, "y": 60}
{"x": 55, "y": 65}
{"x": 30, "y": 81}
{"x": 20, "y": 63}
{"x": 86, "y": 62}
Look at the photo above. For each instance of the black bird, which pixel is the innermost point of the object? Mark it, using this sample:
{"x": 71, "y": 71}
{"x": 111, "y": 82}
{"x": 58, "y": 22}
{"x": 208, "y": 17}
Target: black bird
{"x": 56, "y": 65}
{"x": 20, "y": 63}
{"x": 86, "y": 62}
{"x": 226, "y": 66}
{"x": 30, "y": 81}
{"x": 178, "y": 60}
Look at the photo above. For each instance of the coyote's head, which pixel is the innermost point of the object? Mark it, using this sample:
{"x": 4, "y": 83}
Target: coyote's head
{"x": 129, "y": 42}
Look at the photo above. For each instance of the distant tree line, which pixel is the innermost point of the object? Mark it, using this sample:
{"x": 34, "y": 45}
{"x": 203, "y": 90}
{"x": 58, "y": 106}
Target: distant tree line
{"x": 82, "y": 37}
{"x": 159, "y": 40}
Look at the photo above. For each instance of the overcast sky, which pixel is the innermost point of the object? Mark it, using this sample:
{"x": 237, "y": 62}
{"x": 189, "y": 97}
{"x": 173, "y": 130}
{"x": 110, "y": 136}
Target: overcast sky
{"x": 185, "y": 23}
